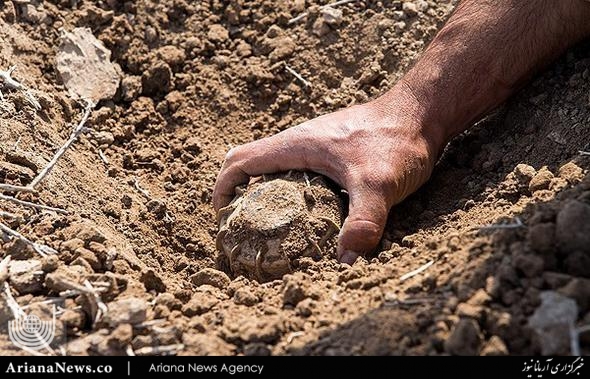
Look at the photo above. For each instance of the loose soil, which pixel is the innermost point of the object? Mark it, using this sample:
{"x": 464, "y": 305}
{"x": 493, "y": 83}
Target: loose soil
{"x": 201, "y": 77}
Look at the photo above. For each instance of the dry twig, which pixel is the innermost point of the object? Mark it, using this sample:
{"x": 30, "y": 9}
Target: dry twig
{"x": 33, "y": 205}
{"x": 297, "y": 76}
{"x": 517, "y": 224}
{"x": 144, "y": 192}
{"x": 12, "y": 188}
{"x": 416, "y": 271}
{"x": 6, "y": 77}
{"x": 75, "y": 134}
{"x": 10, "y": 215}
{"x": 42, "y": 250}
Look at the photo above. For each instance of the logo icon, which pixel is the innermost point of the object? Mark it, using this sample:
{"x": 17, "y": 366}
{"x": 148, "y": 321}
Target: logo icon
{"x": 30, "y": 332}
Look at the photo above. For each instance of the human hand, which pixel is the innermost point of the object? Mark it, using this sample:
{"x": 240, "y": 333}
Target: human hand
{"x": 379, "y": 156}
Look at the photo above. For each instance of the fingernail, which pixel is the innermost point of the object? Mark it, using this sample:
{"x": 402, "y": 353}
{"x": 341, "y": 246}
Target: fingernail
{"x": 348, "y": 257}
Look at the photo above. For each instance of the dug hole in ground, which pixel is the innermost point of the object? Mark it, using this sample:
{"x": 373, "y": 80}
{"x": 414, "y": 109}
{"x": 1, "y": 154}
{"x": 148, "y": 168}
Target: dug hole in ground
{"x": 501, "y": 231}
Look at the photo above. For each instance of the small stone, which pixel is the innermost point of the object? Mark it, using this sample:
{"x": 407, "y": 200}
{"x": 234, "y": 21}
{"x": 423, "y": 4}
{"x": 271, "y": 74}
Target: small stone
{"x": 157, "y": 207}
{"x": 494, "y": 347}
{"x": 26, "y": 276}
{"x": 399, "y": 15}
{"x": 551, "y": 322}
{"x": 465, "y": 339}
{"x": 104, "y": 138}
{"x": 579, "y": 290}
{"x": 267, "y": 329}
{"x": 193, "y": 145}
{"x": 74, "y": 320}
{"x": 274, "y": 31}
{"x": 331, "y": 16}
{"x": 152, "y": 281}
{"x": 530, "y": 265}
{"x": 49, "y": 263}
{"x": 421, "y": 5}
{"x": 571, "y": 172}
{"x": 199, "y": 304}
{"x": 131, "y": 88}
{"x": 244, "y": 296}
{"x": 168, "y": 300}
{"x": 480, "y": 297}
{"x": 541, "y": 180}
{"x": 320, "y": 28}
{"x": 572, "y": 231}
{"x": 293, "y": 290}
{"x": 256, "y": 349}
{"x": 399, "y": 26}
{"x": 126, "y": 200}
{"x": 541, "y": 237}
{"x": 203, "y": 345}
{"x": 172, "y": 55}
{"x": 578, "y": 264}
{"x": 89, "y": 257}
{"x": 305, "y": 308}
{"x": 131, "y": 310}
{"x": 87, "y": 233}
{"x": 524, "y": 173}
{"x": 56, "y": 281}
{"x": 120, "y": 337}
{"x": 284, "y": 47}
{"x": 472, "y": 311}
{"x": 556, "y": 280}
{"x": 211, "y": 277}
{"x": 217, "y": 34}
{"x": 410, "y": 9}
{"x": 157, "y": 79}
{"x": 72, "y": 245}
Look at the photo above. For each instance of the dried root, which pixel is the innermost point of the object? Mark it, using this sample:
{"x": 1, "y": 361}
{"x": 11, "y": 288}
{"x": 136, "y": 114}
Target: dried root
{"x": 10, "y": 82}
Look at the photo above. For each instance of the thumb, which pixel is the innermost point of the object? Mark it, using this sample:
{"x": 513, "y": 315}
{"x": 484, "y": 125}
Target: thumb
{"x": 363, "y": 228}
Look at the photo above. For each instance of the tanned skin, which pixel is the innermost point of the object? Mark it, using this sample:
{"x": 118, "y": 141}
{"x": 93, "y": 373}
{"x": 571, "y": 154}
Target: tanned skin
{"x": 384, "y": 150}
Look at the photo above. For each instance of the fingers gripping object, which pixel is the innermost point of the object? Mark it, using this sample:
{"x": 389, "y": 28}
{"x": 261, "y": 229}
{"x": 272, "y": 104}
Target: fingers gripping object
{"x": 275, "y": 221}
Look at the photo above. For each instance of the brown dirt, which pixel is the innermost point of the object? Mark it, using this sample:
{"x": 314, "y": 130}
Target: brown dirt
{"x": 200, "y": 77}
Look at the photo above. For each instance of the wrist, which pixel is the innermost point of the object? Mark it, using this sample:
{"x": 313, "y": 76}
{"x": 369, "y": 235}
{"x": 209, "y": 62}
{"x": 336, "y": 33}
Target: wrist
{"x": 401, "y": 108}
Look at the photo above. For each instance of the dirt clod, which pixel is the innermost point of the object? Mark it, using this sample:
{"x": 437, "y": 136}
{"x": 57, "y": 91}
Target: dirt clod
{"x": 130, "y": 310}
{"x": 211, "y": 277}
{"x": 465, "y": 338}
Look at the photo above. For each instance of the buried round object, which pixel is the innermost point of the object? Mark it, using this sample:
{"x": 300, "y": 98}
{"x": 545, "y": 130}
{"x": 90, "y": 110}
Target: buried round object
{"x": 276, "y": 220}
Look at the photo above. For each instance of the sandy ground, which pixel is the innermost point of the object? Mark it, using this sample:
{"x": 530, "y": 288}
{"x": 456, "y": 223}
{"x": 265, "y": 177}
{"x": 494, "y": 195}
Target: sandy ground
{"x": 201, "y": 77}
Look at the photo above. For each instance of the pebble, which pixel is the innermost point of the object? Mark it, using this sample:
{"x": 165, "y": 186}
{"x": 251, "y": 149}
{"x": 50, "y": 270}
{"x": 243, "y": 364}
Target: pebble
{"x": 200, "y": 303}
{"x": 571, "y": 172}
{"x": 410, "y": 9}
{"x": 243, "y": 296}
{"x": 331, "y": 16}
{"x": 465, "y": 339}
{"x": 211, "y": 277}
{"x": 569, "y": 238}
{"x": 131, "y": 310}
{"x": 551, "y": 322}
{"x": 26, "y": 276}
{"x": 541, "y": 180}
{"x": 217, "y": 34}
{"x": 579, "y": 290}
{"x": 541, "y": 237}
{"x": 494, "y": 347}
{"x": 293, "y": 290}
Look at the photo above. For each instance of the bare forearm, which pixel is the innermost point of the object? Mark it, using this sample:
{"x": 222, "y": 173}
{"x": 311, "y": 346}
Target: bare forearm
{"x": 484, "y": 53}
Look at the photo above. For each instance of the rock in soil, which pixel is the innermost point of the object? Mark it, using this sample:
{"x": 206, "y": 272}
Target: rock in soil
{"x": 552, "y": 322}
{"x": 130, "y": 310}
